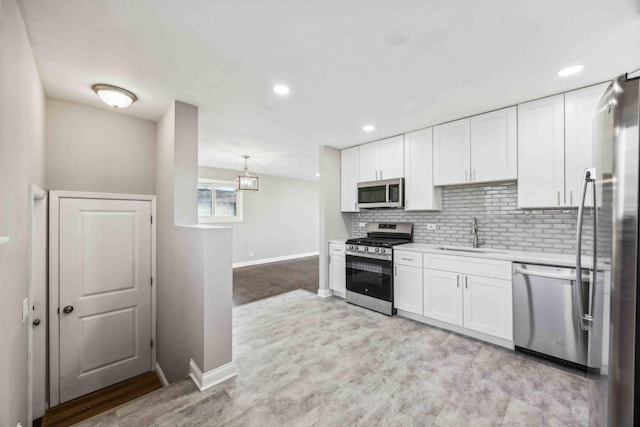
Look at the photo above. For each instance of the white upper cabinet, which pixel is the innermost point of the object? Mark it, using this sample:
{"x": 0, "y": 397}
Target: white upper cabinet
{"x": 382, "y": 159}
{"x": 579, "y": 111}
{"x": 392, "y": 157}
{"x": 478, "y": 149}
{"x": 494, "y": 146}
{"x": 369, "y": 162}
{"x": 451, "y": 152}
{"x": 541, "y": 153}
{"x": 418, "y": 160}
{"x": 349, "y": 171}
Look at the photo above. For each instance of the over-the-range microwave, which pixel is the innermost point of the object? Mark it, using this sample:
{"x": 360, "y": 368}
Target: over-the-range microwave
{"x": 387, "y": 193}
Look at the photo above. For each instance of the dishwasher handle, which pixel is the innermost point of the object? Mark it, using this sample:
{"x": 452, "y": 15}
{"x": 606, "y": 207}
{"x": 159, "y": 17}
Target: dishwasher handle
{"x": 560, "y": 276}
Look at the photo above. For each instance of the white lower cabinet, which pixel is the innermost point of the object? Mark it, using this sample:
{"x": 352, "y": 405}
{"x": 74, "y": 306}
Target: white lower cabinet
{"x": 337, "y": 269}
{"x": 443, "y": 296}
{"x": 407, "y": 288}
{"x": 473, "y": 295}
{"x": 488, "y": 306}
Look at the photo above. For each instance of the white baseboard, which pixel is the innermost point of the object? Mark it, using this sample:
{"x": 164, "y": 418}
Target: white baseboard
{"x": 325, "y": 293}
{"x": 208, "y": 379}
{"x": 276, "y": 259}
{"x": 339, "y": 294}
{"x": 160, "y": 373}
{"x": 459, "y": 329}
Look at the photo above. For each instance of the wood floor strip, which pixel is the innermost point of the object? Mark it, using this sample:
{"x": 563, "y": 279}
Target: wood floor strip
{"x": 100, "y": 401}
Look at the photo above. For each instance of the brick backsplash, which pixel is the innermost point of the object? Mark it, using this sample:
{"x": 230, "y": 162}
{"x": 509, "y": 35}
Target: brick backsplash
{"x": 501, "y": 224}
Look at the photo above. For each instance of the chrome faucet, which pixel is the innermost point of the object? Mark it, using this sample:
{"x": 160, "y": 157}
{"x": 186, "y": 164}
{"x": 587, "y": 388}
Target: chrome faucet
{"x": 474, "y": 232}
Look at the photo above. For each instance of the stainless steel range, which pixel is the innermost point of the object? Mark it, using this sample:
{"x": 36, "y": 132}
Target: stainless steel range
{"x": 370, "y": 265}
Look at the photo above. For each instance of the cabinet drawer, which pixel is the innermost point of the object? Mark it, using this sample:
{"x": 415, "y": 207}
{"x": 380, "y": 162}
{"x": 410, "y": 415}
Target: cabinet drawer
{"x": 408, "y": 258}
{"x": 336, "y": 249}
{"x": 469, "y": 265}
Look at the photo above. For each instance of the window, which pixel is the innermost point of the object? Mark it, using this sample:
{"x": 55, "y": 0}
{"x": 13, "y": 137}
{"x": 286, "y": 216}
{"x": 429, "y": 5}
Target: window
{"x": 218, "y": 201}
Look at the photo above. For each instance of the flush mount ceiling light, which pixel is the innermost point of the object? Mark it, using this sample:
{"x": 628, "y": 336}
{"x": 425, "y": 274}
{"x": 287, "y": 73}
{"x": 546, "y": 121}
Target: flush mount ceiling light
{"x": 397, "y": 37}
{"x": 245, "y": 182}
{"x": 570, "y": 71}
{"x": 281, "y": 89}
{"x": 114, "y": 96}
{"x": 368, "y": 128}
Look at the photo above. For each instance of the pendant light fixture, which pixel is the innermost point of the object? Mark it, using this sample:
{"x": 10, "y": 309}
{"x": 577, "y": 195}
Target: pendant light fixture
{"x": 246, "y": 182}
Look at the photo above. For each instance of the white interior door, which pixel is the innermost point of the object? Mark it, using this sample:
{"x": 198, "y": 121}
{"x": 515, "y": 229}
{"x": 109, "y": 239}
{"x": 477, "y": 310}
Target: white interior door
{"x": 105, "y": 293}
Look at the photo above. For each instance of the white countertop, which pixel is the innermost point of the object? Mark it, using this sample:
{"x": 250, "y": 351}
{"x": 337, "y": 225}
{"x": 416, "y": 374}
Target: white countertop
{"x": 339, "y": 241}
{"x": 547, "y": 258}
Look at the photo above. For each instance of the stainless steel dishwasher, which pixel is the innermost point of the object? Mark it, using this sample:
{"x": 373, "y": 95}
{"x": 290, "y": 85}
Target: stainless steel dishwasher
{"x": 547, "y": 319}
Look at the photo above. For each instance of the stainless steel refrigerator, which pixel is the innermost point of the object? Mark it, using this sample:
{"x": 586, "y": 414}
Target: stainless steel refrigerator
{"x": 614, "y": 396}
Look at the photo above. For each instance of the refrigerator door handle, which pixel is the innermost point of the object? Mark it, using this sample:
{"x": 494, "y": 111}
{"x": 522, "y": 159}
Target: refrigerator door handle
{"x": 586, "y": 319}
{"x": 592, "y": 282}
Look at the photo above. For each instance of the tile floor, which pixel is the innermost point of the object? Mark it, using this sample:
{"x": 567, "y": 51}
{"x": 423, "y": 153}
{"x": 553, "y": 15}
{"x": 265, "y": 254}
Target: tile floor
{"x": 307, "y": 361}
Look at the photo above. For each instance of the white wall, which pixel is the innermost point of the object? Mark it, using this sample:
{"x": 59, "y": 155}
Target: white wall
{"x": 21, "y": 162}
{"x": 333, "y": 223}
{"x": 280, "y": 219}
{"x": 91, "y": 149}
{"x": 194, "y": 293}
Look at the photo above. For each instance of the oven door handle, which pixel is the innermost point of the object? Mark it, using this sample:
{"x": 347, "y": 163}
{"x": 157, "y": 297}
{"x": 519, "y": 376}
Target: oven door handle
{"x": 370, "y": 256}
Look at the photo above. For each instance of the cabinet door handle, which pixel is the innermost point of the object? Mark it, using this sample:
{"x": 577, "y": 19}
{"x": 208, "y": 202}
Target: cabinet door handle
{"x": 558, "y": 197}
{"x": 475, "y": 175}
{"x": 355, "y": 205}
{"x": 376, "y": 175}
{"x": 457, "y": 280}
{"x": 380, "y": 174}
{"x": 571, "y": 197}
{"x": 466, "y": 282}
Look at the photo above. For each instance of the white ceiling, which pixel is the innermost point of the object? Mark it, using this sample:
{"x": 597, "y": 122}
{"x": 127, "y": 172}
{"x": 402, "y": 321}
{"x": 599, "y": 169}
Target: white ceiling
{"x": 224, "y": 56}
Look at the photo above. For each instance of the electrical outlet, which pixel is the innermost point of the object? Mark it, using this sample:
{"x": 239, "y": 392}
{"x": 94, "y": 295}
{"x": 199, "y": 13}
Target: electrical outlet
{"x": 25, "y": 310}
{"x": 362, "y": 224}
{"x": 431, "y": 226}
{"x": 250, "y": 253}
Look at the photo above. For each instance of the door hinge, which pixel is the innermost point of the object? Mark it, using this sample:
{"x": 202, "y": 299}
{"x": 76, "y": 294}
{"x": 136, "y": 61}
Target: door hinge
{"x": 151, "y": 343}
{"x": 152, "y": 281}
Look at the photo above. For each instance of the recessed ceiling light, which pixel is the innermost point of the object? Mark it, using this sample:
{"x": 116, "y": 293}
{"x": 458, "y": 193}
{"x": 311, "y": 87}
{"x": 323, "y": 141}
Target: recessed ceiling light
{"x": 281, "y": 89}
{"x": 114, "y": 96}
{"x": 317, "y": 173}
{"x": 368, "y": 128}
{"x": 570, "y": 71}
{"x": 397, "y": 37}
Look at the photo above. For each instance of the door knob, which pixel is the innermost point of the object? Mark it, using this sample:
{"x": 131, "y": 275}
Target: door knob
{"x": 68, "y": 309}
{"x": 36, "y": 322}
